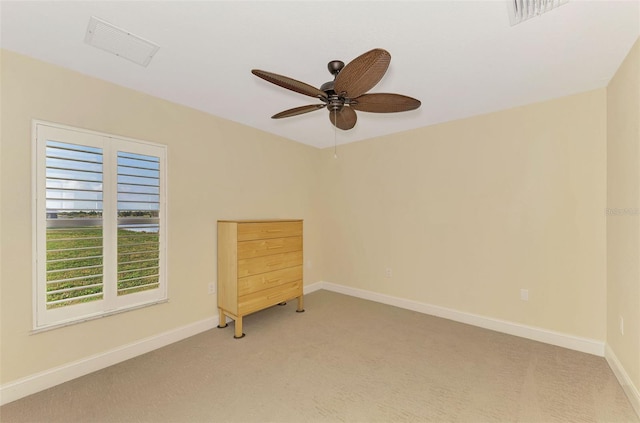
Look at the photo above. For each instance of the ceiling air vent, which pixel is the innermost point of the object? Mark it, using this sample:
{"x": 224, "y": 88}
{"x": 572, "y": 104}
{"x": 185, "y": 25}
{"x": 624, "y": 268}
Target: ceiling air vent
{"x": 122, "y": 43}
{"x": 521, "y": 10}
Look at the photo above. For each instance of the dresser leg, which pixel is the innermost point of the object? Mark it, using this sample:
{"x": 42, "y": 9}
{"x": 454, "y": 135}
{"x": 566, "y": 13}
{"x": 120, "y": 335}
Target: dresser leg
{"x": 300, "y": 308}
{"x": 238, "y": 328}
{"x": 222, "y": 319}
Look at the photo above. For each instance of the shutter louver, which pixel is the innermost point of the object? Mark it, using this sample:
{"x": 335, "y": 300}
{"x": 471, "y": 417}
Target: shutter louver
{"x": 138, "y": 222}
{"x": 74, "y": 253}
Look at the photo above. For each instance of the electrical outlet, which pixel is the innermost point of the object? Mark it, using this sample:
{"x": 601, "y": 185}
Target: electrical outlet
{"x": 524, "y": 294}
{"x": 211, "y": 288}
{"x": 621, "y": 325}
{"x": 388, "y": 272}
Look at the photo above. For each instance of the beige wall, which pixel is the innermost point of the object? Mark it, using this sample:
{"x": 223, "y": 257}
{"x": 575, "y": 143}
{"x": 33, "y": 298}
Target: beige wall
{"x": 465, "y": 213}
{"x": 217, "y": 169}
{"x": 623, "y": 227}
{"x": 469, "y": 212}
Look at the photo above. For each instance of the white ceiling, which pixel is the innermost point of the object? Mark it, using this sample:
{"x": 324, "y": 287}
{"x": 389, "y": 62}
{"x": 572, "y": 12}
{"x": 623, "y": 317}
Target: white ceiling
{"x": 460, "y": 58}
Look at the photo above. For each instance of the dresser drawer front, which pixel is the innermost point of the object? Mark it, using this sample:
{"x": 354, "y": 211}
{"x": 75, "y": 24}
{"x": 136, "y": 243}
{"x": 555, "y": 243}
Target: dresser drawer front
{"x": 265, "y": 247}
{"x": 256, "y": 265}
{"x": 266, "y": 230}
{"x": 263, "y": 281}
{"x": 269, "y": 297}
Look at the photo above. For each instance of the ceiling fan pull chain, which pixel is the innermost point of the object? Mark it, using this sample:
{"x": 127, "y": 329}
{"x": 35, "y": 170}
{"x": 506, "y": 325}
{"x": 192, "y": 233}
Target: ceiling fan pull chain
{"x": 335, "y": 136}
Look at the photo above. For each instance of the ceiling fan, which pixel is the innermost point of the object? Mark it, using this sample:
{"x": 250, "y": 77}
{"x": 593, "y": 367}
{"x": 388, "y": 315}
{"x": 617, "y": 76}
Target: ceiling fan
{"x": 347, "y": 92}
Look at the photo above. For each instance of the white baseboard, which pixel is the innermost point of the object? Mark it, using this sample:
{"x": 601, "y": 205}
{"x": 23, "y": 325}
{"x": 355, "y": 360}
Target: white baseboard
{"x": 623, "y": 377}
{"x": 590, "y": 346}
{"x": 308, "y": 289}
{"x": 40, "y": 381}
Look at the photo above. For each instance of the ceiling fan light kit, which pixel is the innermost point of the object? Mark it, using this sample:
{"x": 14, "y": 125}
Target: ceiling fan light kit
{"x": 346, "y": 93}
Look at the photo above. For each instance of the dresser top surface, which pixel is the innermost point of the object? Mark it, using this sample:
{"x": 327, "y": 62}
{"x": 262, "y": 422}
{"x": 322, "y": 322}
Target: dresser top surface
{"x": 259, "y": 220}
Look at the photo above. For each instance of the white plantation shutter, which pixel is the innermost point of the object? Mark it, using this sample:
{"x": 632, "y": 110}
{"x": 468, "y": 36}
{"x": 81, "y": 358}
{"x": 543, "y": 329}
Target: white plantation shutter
{"x": 100, "y": 220}
{"x": 138, "y": 222}
{"x": 74, "y": 252}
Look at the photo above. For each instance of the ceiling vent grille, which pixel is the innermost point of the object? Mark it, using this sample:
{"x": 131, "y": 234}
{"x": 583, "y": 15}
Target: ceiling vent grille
{"x": 108, "y": 37}
{"x": 521, "y": 10}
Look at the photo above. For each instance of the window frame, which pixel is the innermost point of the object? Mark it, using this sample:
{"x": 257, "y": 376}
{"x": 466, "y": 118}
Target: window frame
{"x": 111, "y": 303}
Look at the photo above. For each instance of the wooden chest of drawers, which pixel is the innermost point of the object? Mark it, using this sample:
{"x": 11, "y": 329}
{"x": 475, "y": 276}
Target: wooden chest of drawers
{"x": 259, "y": 265}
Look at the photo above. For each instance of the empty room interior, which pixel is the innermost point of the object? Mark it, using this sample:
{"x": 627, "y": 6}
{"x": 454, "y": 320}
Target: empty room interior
{"x": 439, "y": 223}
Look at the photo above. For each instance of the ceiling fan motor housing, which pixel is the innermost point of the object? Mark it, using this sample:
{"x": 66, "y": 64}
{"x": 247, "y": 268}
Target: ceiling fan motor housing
{"x": 335, "y": 103}
{"x": 333, "y": 100}
{"x": 327, "y": 87}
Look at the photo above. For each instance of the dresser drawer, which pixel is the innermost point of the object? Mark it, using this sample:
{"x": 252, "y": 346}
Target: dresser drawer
{"x": 263, "y": 281}
{"x": 266, "y": 230}
{"x": 256, "y": 265}
{"x": 265, "y": 247}
{"x": 269, "y": 297}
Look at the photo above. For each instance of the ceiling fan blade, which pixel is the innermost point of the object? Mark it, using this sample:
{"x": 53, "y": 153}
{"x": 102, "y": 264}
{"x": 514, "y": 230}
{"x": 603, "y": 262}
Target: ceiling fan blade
{"x": 289, "y": 83}
{"x": 385, "y": 103}
{"x": 362, "y": 73}
{"x": 298, "y": 111}
{"x": 344, "y": 119}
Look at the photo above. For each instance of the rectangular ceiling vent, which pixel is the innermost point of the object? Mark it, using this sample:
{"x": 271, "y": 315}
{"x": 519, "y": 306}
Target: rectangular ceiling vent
{"x": 108, "y": 37}
{"x": 521, "y": 10}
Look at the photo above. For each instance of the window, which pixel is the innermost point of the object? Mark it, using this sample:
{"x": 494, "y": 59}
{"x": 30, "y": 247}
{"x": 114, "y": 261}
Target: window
{"x": 100, "y": 224}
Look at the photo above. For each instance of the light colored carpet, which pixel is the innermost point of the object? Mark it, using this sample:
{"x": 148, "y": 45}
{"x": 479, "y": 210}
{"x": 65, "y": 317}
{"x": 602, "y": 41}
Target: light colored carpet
{"x": 343, "y": 360}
